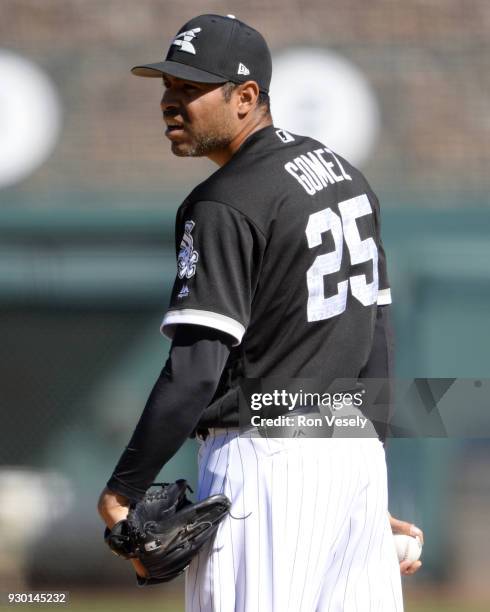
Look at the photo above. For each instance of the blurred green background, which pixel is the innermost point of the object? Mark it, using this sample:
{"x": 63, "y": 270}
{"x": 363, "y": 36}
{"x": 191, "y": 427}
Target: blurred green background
{"x": 86, "y": 239}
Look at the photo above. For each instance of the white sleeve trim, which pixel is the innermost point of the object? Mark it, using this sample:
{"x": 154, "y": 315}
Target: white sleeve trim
{"x": 202, "y": 317}
{"x": 384, "y": 297}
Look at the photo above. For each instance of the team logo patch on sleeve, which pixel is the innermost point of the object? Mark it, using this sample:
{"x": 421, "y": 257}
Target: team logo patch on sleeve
{"x": 188, "y": 257}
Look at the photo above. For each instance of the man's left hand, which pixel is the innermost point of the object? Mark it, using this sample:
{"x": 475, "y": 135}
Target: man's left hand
{"x": 113, "y": 508}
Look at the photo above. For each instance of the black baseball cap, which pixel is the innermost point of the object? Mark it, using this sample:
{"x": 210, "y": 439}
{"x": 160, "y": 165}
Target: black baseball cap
{"x": 215, "y": 49}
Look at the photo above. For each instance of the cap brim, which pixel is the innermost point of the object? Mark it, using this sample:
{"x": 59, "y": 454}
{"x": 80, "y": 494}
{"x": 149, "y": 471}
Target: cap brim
{"x": 181, "y": 71}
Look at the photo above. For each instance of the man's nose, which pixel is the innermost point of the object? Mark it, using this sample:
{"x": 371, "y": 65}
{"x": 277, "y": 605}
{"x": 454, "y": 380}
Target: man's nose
{"x": 169, "y": 101}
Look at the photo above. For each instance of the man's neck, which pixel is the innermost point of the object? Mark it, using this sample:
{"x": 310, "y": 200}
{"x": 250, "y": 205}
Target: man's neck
{"x": 223, "y": 156}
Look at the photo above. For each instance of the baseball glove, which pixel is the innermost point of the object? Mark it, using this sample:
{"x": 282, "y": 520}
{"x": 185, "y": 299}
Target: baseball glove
{"x": 165, "y": 530}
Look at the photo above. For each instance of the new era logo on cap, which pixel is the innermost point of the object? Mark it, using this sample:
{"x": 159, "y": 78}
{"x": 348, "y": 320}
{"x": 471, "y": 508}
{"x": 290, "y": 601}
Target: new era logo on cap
{"x": 242, "y": 69}
{"x": 183, "y": 40}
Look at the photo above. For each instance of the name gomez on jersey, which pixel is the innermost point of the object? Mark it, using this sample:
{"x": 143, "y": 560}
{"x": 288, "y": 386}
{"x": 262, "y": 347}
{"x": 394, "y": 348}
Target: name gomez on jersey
{"x": 280, "y": 249}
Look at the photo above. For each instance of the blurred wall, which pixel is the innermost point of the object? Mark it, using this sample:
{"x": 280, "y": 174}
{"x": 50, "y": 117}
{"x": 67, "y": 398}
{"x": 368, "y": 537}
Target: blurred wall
{"x": 428, "y": 62}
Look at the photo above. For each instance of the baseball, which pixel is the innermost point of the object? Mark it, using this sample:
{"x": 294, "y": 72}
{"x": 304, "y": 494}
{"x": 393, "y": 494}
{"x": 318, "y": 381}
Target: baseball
{"x": 408, "y": 548}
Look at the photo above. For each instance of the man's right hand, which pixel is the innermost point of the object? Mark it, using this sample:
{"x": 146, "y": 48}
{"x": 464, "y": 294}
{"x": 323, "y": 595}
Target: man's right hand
{"x": 407, "y": 568}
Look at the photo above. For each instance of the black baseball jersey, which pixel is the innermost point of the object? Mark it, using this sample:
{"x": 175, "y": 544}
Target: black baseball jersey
{"x": 280, "y": 249}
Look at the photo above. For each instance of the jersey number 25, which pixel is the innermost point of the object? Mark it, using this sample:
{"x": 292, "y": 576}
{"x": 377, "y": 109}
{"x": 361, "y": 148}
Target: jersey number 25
{"x": 342, "y": 228}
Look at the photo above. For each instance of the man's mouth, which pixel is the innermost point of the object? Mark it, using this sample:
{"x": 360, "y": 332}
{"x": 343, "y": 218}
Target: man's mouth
{"x": 174, "y": 128}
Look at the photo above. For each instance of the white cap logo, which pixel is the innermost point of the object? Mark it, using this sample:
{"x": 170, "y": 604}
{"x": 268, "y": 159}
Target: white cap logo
{"x": 185, "y": 44}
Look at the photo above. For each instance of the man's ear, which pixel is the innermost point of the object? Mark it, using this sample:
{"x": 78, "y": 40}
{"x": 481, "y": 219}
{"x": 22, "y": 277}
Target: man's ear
{"x": 247, "y": 94}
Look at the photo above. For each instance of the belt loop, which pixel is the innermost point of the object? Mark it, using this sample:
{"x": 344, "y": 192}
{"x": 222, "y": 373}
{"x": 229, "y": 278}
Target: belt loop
{"x": 202, "y": 433}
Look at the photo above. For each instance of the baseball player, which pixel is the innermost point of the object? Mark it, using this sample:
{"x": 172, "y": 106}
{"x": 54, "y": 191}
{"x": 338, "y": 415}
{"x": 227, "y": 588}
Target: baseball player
{"x": 281, "y": 275}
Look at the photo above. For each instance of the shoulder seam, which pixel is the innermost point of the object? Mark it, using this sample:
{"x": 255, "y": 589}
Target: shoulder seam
{"x": 233, "y": 208}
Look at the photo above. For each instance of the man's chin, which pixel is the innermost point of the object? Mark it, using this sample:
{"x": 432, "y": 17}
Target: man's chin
{"x": 182, "y": 150}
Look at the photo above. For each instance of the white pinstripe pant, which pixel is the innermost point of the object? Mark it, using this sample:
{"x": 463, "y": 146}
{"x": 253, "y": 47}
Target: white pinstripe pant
{"x": 309, "y": 530}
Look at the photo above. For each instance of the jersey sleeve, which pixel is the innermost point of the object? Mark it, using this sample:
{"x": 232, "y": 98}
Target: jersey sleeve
{"x": 384, "y": 291}
{"x": 218, "y": 258}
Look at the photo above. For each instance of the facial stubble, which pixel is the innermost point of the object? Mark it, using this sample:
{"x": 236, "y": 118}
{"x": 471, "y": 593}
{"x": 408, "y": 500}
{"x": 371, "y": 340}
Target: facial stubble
{"x": 203, "y": 145}
{"x": 208, "y": 140}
